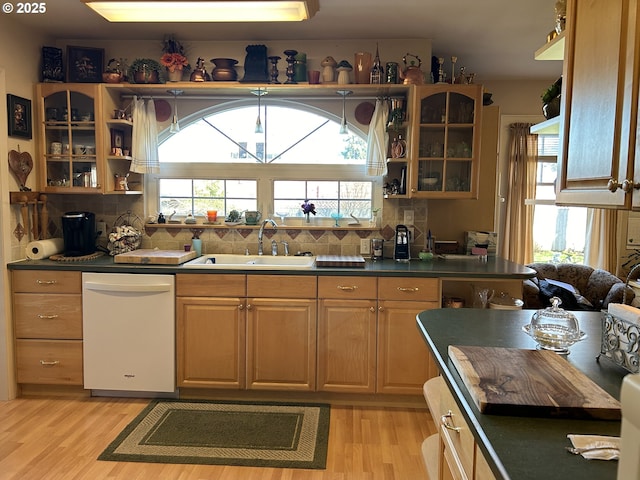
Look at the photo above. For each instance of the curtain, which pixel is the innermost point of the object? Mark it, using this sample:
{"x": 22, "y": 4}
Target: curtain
{"x": 601, "y": 247}
{"x": 517, "y": 244}
{"x": 377, "y": 140}
{"x": 145, "y": 137}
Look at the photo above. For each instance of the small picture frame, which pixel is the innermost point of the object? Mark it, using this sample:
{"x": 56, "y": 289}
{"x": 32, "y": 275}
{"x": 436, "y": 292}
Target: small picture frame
{"x": 85, "y": 64}
{"x": 117, "y": 142}
{"x": 19, "y": 116}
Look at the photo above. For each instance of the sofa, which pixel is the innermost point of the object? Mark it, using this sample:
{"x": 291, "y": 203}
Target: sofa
{"x": 580, "y": 287}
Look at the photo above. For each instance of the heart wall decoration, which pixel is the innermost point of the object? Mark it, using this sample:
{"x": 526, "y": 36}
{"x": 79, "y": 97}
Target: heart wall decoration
{"x": 21, "y": 165}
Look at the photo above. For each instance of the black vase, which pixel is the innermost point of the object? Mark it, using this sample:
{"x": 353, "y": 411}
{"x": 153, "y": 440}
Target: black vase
{"x": 551, "y": 109}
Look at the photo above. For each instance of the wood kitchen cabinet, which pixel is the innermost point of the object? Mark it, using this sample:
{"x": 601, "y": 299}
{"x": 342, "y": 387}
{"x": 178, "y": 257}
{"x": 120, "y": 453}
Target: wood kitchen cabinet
{"x": 47, "y": 312}
{"x": 281, "y": 332}
{"x": 404, "y": 362}
{"x": 443, "y": 145}
{"x": 598, "y": 128}
{"x": 347, "y": 329}
{"x": 210, "y": 330}
{"x": 70, "y": 144}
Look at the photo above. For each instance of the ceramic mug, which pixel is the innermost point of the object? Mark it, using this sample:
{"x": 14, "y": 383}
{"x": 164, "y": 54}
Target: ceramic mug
{"x": 56, "y": 148}
{"x": 80, "y": 150}
{"x": 251, "y": 217}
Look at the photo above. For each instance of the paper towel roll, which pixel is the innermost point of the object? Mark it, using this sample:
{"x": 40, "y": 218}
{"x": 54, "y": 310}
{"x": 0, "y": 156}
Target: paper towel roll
{"x": 44, "y": 248}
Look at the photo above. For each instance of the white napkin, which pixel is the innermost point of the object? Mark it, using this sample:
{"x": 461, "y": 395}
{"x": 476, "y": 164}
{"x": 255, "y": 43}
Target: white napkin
{"x": 595, "y": 447}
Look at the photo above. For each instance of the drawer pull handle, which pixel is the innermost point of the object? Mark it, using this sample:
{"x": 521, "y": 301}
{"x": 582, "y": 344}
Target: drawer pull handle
{"x": 45, "y": 363}
{"x": 46, "y": 282}
{"x": 444, "y": 419}
{"x": 349, "y": 288}
{"x": 408, "y": 289}
{"x": 47, "y": 317}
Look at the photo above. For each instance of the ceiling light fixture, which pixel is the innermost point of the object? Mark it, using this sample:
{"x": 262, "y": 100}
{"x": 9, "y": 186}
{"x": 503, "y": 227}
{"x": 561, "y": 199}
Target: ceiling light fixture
{"x": 344, "y": 130}
{"x": 175, "y": 126}
{"x": 204, "y": 10}
{"x": 259, "y": 92}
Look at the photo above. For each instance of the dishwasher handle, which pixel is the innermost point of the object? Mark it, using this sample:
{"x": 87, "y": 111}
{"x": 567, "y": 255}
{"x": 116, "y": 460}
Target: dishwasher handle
{"x": 120, "y": 287}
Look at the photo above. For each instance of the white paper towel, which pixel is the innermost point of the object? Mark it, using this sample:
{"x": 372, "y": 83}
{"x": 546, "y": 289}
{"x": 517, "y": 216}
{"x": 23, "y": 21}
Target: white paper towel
{"x": 42, "y": 249}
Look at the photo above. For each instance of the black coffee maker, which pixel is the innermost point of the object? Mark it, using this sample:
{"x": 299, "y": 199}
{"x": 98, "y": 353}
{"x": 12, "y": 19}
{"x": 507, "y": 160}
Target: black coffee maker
{"x": 79, "y": 233}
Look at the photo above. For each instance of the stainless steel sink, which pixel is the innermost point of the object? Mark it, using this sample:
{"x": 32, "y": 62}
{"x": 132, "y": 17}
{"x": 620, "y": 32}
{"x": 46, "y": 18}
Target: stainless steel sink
{"x": 250, "y": 262}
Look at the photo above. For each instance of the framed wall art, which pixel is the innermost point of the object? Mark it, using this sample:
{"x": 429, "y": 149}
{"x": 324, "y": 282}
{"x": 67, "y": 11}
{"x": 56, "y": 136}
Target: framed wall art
{"x": 85, "y": 64}
{"x": 19, "y": 116}
{"x": 52, "y": 70}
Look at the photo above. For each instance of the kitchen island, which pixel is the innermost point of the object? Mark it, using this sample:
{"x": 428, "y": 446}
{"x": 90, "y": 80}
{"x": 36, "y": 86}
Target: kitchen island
{"x": 522, "y": 448}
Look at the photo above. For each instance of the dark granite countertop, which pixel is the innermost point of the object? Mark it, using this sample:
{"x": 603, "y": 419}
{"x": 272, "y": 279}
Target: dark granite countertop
{"x": 523, "y": 448}
{"x": 438, "y": 268}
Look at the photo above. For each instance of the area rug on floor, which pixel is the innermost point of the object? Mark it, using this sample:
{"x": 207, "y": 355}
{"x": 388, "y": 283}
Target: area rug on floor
{"x": 281, "y": 435}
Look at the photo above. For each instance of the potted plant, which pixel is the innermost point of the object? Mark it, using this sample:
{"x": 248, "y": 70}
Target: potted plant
{"x": 551, "y": 99}
{"x": 145, "y": 70}
{"x": 174, "y": 59}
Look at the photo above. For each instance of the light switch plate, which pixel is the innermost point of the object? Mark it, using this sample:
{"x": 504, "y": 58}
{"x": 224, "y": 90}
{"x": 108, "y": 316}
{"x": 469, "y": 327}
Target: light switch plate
{"x": 365, "y": 247}
{"x": 409, "y": 217}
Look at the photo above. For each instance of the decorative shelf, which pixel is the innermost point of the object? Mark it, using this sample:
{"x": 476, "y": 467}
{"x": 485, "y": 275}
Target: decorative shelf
{"x": 552, "y": 50}
{"x": 206, "y": 226}
{"x": 548, "y": 127}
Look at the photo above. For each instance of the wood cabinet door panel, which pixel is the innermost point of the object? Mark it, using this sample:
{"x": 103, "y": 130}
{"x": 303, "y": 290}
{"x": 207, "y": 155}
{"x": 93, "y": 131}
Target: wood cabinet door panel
{"x": 347, "y": 345}
{"x": 211, "y": 342}
{"x": 281, "y": 344}
{"x": 599, "y": 81}
{"x": 48, "y": 316}
{"x": 404, "y": 362}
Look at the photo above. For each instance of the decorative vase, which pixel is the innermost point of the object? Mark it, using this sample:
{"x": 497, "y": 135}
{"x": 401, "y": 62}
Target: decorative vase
{"x": 551, "y": 109}
{"x": 308, "y": 219}
{"x": 146, "y": 76}
{"x": 174, "y": 76}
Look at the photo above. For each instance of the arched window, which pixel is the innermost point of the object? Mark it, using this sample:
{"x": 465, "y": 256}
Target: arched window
{"x": 218, "y": 161}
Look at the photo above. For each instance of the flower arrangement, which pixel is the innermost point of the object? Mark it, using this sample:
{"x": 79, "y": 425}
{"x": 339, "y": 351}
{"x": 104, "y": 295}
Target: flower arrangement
{"x": 174, "y": 57}
{"x": 308, "y": 207}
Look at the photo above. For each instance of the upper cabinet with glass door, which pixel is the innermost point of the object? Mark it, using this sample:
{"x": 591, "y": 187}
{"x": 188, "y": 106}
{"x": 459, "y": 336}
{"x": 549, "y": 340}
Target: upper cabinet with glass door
{"x": 69, "y": 142}
{"x": 446, "y": 141}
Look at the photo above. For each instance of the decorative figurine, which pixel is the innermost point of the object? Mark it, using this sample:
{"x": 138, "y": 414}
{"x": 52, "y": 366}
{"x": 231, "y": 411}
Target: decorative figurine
{"x": 256, "y": 66}
{"x": 328, "y": 70}
{"x": 343, "y": 69}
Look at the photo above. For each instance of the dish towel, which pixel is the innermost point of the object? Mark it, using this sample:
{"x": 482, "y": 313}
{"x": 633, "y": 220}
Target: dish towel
{"x": 377, "y": 140}
{"x": 145, "y": 138}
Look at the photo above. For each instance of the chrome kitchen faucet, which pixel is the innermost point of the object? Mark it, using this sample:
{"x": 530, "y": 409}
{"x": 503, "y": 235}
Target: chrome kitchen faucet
{"x": 261, "y": 232}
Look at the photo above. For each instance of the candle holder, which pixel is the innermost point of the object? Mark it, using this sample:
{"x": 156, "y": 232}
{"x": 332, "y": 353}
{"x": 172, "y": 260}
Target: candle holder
{"x": 274, "y": 69}
{"x": 291, "y": 60}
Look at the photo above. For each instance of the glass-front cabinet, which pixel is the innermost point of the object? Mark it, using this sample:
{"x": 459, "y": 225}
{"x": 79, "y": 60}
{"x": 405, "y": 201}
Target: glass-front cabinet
{"x": 446, "y": 141}
{"x": 69, "y": 141}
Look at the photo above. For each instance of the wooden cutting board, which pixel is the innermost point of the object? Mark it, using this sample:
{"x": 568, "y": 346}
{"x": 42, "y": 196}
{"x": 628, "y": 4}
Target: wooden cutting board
{"x": 532, "y": 383}
{"x": 355, "y": 261}
{"x": 154, "y": 257}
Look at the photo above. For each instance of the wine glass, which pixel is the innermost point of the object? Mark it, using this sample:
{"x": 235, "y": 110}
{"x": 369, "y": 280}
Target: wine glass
{"x": 336, "y": 217}
{"x": 282, "y": 215}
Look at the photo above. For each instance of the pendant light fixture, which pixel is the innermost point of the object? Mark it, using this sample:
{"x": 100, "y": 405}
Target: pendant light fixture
{"x": 344, "y": 130}
{"x": 259, "y": 92}
{"x": 175, "y": 126}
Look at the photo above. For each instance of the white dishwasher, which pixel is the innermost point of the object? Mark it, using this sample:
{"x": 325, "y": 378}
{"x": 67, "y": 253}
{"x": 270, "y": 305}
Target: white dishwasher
{"x": 129, "y": 332}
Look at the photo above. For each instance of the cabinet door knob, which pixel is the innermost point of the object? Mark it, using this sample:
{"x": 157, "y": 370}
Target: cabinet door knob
{"x": 628, "y": 186}
{"x": 444, "y": 419}
{"x": 241, "y": 307}
{"x": 372, "y": 309}
{"x": 612, "y": 185}
{"x": 249, "y": 306}
{"x": 380, "y": 309}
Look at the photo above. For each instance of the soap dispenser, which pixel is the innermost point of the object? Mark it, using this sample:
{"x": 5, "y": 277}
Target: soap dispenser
{"x": 401, "y": 247}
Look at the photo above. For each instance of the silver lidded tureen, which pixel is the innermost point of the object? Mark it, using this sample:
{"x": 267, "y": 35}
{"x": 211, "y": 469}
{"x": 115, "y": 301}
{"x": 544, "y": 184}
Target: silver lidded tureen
{"x": 554, "y": 328}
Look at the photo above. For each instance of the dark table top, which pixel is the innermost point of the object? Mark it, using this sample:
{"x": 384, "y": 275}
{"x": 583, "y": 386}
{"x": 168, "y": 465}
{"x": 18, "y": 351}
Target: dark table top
{"x": 522, "y": 448}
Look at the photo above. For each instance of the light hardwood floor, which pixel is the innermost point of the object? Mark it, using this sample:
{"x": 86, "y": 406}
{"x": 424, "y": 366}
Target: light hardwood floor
{"x": 60, "y": 439}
